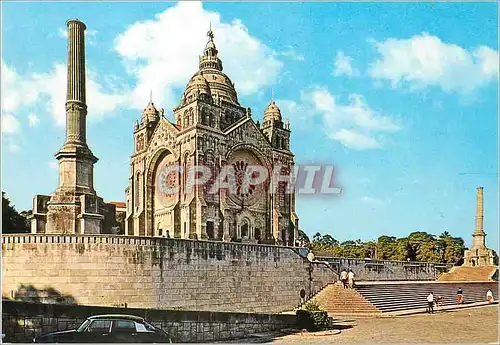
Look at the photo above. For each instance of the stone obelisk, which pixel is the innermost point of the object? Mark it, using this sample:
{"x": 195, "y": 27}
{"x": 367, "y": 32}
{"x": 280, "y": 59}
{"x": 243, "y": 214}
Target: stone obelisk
{"x": 75, "y": 208}
{"x": 479, "y": 235}
{"x": 479, "y": 254}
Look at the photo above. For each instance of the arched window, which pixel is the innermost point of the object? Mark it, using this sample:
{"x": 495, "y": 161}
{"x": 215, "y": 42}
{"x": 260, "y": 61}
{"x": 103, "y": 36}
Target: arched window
{"x": 204, "y": 116}
{"x": 186, "y": 119}
{"x": 137, "y": 190}
{"x": 244, "y": 230}
{"x": 184, "y": 173}
{"x": 210, "y": 230}
{"x": 191, "y": 116}
{"x": 257, "y": 234}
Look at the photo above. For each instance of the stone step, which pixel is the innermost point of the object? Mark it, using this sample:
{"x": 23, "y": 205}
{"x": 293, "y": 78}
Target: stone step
{"x": 394, "y": 297}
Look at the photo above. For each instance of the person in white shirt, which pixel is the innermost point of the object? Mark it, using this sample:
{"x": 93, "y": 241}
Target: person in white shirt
{"x": 430, "y": 303}
{"x": 350, "y": 278}
{"x": 343, "y": 278}
{"x": 489, "y": 296}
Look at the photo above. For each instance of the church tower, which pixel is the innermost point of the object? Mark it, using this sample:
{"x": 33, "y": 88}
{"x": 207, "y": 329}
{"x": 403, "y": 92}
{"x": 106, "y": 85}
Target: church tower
{"x": 273, "y": 127}
{"x": 74, "y": 208}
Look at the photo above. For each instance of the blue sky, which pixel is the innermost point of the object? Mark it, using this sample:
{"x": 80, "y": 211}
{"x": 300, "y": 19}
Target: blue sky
{"x": 401, "y": 98}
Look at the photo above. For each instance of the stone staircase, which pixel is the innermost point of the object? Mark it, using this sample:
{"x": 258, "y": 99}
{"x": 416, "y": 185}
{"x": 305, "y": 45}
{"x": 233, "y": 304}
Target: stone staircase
{"x": 397, "y": 296}
{"x": 376, "y": 298}
{"x": 336, "y": 300}
{"x": 463, "y": 273}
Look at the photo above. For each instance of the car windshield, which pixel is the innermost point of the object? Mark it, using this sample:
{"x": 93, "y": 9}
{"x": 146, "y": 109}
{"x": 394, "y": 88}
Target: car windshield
{"x": 83, "y": 326}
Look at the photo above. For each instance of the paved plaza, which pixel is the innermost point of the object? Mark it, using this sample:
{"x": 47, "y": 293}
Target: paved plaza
{"x": 474, "y": 325}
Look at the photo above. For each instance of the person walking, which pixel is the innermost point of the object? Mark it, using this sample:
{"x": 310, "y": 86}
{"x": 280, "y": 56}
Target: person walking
{"x": 430, "y": 303}
{"x": 343, "y": 278}
{"x": 489, "y": 296}
{"x": 350, "y": 278}
{"x": 460, "y": 296}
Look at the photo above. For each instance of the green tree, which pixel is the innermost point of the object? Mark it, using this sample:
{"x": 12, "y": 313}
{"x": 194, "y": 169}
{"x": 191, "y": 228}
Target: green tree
{"x": 451, "y": 249}
{"x": 12, "y": 221}
{"x": 386, "y": 247}
{"x": 418, "y": 246}
{"x": 324, "y": 241}
{"x": 303, "y": 238}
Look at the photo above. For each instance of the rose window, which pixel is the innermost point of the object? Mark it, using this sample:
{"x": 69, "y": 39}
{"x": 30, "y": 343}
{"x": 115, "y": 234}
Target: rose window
{"x": 242, "y": 172}
{"x": 168, "y": 183}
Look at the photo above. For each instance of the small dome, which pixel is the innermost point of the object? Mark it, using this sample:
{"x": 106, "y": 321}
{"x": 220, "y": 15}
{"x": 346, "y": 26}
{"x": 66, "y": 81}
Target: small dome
{"x": 197, "y": 87}
{"x": 272, "y": 112}
{"x": 150, "y": 113}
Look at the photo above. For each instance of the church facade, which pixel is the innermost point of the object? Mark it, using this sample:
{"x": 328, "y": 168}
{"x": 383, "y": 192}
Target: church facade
{"x": 212, "y": 130}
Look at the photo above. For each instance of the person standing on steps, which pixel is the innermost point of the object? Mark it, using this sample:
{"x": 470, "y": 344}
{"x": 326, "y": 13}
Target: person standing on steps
{"x": 350, "y": 278}
{"x": 430, "y": 303}
{"x": 343, "y": 278}
{"x": 460, "y": 296}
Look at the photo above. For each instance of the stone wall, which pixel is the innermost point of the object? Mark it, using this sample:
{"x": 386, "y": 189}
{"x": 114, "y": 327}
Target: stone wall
{"x": 386, "y": 270}
{"x": 21, "y": 322}
{"x": 160, "y": 273}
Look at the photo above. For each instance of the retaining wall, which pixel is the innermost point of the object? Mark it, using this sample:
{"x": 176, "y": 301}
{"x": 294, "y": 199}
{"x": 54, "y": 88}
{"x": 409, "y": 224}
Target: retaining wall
{"x": 23, "y": 321}
{"x": 160, "y": 273}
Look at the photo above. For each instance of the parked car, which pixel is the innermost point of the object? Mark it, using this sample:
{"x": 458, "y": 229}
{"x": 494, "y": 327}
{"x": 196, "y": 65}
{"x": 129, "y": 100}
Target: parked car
{"x": 109, "y": 329}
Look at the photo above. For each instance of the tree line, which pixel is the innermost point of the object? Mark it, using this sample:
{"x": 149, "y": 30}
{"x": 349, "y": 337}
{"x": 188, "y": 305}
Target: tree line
{"x": 417, "y": 246}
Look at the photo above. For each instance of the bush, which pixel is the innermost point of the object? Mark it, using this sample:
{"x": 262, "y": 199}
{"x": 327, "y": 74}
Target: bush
{"x": 312, "y": 318}
{"x": 312, "y": 306}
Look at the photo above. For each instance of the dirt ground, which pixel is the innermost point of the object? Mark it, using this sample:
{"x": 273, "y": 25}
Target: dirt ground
{"x": 474, "y": 325}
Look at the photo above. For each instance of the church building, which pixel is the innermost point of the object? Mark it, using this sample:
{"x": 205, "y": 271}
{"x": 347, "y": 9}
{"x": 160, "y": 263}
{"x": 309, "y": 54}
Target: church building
{"x": 214, "y": 130}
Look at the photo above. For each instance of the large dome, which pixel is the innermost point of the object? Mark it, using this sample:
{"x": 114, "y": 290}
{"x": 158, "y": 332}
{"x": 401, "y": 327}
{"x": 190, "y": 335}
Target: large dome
{"x": 210, "y": 82}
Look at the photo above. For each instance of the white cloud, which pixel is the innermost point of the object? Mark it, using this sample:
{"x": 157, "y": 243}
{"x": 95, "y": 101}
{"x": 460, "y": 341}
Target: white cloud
{"x": 343, "y": 65}
{"x": 49, "y": 91}
{"x": 53, "y": 165}
{"x": 299, "y": 114}
{"x": 425, "y": 60}
{"x": 16, "y": 91}
{"x": 290, "y": 53}
{"x": 33, "y": 120}
{"x": 162, "y": 54}
{"x": 355, "y": 140}
{"x": 354, "y": 124}
{"x": 63, "y": 33}
{"x": 9, "y": 124}
{"x": 91, "y": 36}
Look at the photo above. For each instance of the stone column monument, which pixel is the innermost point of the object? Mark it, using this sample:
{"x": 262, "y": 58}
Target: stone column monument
{"x": 74, "y": 208}
{"x": 479, "y": 255}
